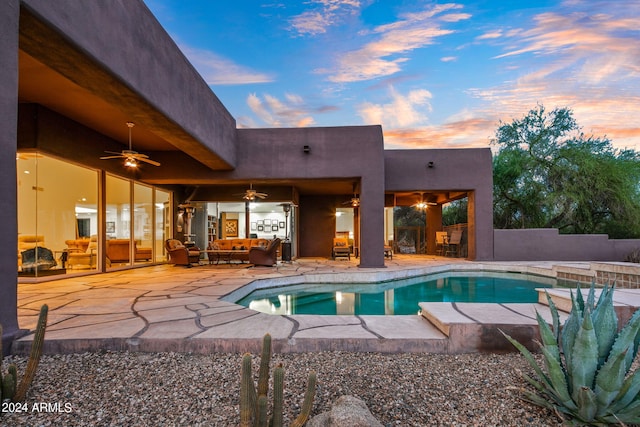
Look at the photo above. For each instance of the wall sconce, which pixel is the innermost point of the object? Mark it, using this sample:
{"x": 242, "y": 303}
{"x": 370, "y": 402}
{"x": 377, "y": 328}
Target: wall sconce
{"x": 306, "y": 149}
{"x": 430, "y": 165}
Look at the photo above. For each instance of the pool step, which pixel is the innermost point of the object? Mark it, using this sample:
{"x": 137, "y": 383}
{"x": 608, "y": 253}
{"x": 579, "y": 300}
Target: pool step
{"x": 476, "y": 326}
{"x": 625, "y": 301}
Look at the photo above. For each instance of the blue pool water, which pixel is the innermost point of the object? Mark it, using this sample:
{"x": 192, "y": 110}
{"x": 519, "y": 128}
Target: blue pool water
{"x": 400, "y": 297}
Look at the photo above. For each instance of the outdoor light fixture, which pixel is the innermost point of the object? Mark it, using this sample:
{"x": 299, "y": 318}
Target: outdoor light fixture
{"x": 306, "y": 149}
{"x": 430, "y": 165}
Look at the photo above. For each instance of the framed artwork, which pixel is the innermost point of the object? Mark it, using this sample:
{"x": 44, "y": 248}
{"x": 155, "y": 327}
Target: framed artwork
{"x": 111, "y": 227}
{"x": 281, "y": 224}
{"x": 253, "y": 226}
{"x": 231, "y": 227}
{"x": 261, "y": 222}
{"x": 274, "y": 228}
{"x": 267, "y": 228}
{"x": 274, "y": 222}
{"x": 260, "y": 227}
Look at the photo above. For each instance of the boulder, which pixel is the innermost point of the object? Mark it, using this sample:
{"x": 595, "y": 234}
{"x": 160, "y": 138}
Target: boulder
{"x": 347, "y": 411}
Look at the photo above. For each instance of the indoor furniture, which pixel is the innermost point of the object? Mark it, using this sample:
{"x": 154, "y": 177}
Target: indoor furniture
{"x": 78, "y": 259}
{"x": 340, "y": 248}
{"x": 237, "y": 249}
{"x": 28, "y": 241}
{"x": 454, "y": 243}
{"x": 267, "y": 256}
{"x": 179, "y": 254}
{"x": 442, "y": 239}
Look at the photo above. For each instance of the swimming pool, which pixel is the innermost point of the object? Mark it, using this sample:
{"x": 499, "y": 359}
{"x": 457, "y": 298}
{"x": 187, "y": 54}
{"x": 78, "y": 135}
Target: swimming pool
{"x": 398, "y": 297}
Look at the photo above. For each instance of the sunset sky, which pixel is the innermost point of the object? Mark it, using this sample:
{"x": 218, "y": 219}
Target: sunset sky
{"x": 433, "y": 74}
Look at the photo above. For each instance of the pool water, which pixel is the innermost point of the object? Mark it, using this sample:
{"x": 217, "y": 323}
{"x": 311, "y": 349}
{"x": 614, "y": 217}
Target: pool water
{"x": 400, "y": 297}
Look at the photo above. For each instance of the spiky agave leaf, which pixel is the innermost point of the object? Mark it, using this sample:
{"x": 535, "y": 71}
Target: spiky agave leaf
{"x": 560, "y": 388}
{"x": 609, "y": 380}
{"x": 605, "y": 321}
{"x": 591, "y": 297}
{"x": 584, "y": 356}
{"x": 554, "y": 316}
{"x": 549, "y": 340}
{"x": 626, "y": 338}
{"x": 570, "y": 330}
{"x": 580, "y": 298}
{"x": 529, "y": 358}
{"x": 627, "y": 393}
{"x": 587, "y": 405}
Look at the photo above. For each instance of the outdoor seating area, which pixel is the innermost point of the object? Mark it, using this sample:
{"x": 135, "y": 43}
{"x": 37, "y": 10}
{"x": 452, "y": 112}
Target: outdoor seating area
{"x": 340, "y": 248}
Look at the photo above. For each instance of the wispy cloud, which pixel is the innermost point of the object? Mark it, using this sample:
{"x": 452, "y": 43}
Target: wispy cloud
{"x": 472, "y": 132}
{"x": 392, "y": 42}
{"x": 217, "y": 70}
{"x": 585, "y": 57}
{"x": 400, "y": 111}
{"x": 292, "y": 111}
{"x": 325, "y": 14}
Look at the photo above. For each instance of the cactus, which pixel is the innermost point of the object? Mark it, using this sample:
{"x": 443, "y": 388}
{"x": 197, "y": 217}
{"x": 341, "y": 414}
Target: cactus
{"x": 10, "y": 387}
{"x": 254, "y": 406}
{"x": 587, "y": 376}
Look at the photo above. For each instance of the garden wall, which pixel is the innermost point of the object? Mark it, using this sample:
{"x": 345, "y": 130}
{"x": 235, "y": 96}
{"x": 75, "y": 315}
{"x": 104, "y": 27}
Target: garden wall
{"x": 546, "y": 244}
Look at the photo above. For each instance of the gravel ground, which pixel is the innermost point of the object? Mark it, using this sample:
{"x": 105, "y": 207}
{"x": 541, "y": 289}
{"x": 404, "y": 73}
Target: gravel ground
{"x": 171, "y": 389}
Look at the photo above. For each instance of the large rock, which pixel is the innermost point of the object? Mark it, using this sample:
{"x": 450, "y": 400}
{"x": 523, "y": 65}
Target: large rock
{"x": 347, "y": 411}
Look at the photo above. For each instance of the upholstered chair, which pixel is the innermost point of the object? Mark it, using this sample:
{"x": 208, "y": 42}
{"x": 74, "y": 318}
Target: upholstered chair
{"x": 265, "y": 256}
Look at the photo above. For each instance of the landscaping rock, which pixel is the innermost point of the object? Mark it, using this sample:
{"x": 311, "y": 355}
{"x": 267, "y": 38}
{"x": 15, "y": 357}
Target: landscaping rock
{"x": 347, "y": 411}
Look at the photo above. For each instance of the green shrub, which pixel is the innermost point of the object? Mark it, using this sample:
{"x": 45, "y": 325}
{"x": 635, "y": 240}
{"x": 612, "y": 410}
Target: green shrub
{"x": 587, "y": 377}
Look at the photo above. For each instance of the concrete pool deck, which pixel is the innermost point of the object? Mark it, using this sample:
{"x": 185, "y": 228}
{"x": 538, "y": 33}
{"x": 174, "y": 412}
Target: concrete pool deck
{"x": 167, "y": 308}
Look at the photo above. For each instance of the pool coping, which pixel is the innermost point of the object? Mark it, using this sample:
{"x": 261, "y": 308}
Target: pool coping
{"x": 164, "y": 308}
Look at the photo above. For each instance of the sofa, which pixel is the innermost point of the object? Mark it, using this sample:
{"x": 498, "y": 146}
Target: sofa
{"x": 179, "y": 254}
{"x": 118, "y": 251}
{"x": 28, "y": 241}
{"x": 241, "y": 245}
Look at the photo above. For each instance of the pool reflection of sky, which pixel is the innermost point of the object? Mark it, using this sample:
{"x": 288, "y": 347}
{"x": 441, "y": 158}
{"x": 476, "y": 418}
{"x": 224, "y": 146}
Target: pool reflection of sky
{"x": 391, "y": 300}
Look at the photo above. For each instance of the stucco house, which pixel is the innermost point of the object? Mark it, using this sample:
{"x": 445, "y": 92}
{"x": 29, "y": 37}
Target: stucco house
{"x": 74, "y": 73}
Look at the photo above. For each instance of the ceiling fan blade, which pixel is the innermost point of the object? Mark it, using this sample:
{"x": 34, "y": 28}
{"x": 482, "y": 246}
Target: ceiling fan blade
{"x": 138, "y": 155}
{"x": 147, "y": 160}
{"x": 119, "y": 156}
{"x": 113, "y": 152}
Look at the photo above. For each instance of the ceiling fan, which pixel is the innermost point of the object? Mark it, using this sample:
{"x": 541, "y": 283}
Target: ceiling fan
{"x": 422, "y": 204}
{"x": 250, "y": 194}
{"x": 131, "y": 158}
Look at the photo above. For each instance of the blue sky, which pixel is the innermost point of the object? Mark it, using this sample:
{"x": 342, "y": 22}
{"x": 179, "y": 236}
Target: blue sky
{"x": 433, "y": 74}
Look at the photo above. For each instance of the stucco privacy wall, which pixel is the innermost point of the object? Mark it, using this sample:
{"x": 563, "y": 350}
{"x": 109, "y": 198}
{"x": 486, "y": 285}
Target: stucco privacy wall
{"x": 9, "y": 18}
{"x": 453, "y": 170}
{"x": 91, "y": 42}
{"x": 546, "y": 244}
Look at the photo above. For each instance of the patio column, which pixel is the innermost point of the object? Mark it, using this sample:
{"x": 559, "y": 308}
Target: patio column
{"x": 9, "y": 18}
{"x": 372, "y": 221}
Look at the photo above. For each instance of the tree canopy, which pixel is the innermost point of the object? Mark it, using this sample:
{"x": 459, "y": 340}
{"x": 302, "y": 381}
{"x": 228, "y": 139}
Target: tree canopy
{"x": 548, "y": 174}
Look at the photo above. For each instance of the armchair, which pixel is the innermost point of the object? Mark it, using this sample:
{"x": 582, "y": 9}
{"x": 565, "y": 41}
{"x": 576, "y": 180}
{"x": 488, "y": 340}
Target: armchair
{"x": 265, "y": 256}
{"x": 86, "y": 259}
{"x": 341, "y": 248}
{"x": 179, "y": 254}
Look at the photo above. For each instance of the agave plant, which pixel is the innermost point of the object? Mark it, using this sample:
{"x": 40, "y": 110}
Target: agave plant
{"x": 587, "y": 376}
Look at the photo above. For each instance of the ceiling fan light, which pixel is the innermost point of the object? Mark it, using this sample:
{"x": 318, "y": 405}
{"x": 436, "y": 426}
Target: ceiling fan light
{"x": 131, "y": 163}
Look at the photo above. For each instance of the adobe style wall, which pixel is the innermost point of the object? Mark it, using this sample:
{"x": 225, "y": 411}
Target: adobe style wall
{"x": 346, "y": 152}
{"x": 547, "y": 244}
{"x": 467, "y": 170}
